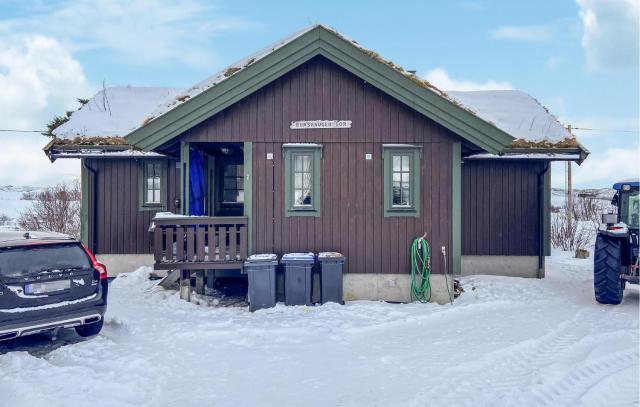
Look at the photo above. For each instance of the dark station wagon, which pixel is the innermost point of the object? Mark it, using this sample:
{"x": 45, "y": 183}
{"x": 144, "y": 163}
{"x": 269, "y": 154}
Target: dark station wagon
{"x": 49, "y": 281}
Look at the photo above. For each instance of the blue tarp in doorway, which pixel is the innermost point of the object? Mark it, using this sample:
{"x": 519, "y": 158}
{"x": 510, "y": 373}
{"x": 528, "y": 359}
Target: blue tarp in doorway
{"x": 198, "y": 184}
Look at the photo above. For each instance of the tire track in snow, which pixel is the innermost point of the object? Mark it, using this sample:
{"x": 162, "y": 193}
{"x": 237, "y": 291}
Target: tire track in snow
{"x": 504, "y": 376}
{"x": 620, "y": 389}
{"x": 569, "y": 389}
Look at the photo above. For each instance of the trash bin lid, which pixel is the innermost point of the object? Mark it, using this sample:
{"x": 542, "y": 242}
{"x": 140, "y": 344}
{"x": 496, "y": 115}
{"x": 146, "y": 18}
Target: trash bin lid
{"x": 258, "y": 260}
{"x": 262, "y": 257}
{"x": 298, "y": 257}
{"x": 330, "y": 255}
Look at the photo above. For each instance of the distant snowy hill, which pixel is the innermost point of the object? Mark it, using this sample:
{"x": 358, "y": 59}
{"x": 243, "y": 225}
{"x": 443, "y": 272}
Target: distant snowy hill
{"x": 558, "y": 195}
{"x": 12, "y": 203}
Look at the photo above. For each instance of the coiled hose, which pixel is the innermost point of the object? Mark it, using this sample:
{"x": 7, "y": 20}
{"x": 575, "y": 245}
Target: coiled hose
{"x": 420, "y": 270}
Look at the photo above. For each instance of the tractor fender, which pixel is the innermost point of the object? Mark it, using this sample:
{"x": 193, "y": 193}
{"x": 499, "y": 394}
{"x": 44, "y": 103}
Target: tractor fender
{"x": 616, "y": 230}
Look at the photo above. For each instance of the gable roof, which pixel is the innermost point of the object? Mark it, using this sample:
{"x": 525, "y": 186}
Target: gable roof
{"x": 501, "y": 120}
{"x": 240, "y": 80}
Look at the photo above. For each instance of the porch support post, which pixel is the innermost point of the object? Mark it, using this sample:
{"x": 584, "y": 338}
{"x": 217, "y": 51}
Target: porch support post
{"x": 185, "y": 285}
{"x": 456, "y": 209}
{"x": 184, "y": 177}
{"x": 200, "y": 277}
{"x": 248, "y": 193}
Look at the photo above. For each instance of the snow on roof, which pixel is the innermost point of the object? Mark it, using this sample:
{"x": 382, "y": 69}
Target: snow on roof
{"x": 516, "y": 113}
{"x": 114, "y": 112}
{"x": 97, "y": 153}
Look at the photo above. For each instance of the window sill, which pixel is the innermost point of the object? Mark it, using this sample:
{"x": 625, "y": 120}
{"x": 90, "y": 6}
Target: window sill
{"x": 312, "y": 212}
{"x": 399, "y": 212}
{"x": 152, "y": 207}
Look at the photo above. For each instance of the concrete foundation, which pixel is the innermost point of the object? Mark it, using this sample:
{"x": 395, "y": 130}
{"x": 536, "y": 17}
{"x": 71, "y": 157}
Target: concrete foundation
{"x": 124, "y": 263}
{"x": 392, "y": 287}
{"x": 512, "y": 266}
{"x": 358, "y": 286}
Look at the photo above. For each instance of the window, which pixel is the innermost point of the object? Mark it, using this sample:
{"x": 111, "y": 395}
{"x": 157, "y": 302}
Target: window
{"x": 152, "y": 185}
{"x": 630, "y": 208}
{"x": 19, "y": 261}
{"x": 302, "y": 179}
{"x": 233, "y": 184}
{"x": 152, "y": 194}
{"x": 401, "y": 180}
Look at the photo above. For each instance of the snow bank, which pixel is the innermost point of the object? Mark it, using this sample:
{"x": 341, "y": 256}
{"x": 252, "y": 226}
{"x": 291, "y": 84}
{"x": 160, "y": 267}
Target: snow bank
{"x": 505, "y": 342}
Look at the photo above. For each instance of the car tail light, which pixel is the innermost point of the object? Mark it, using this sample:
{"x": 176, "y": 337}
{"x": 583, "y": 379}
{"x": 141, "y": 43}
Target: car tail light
{"x": 102, "y": 269}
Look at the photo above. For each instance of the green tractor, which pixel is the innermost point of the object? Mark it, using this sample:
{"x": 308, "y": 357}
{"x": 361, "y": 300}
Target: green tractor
{"x": 616, "y": 255}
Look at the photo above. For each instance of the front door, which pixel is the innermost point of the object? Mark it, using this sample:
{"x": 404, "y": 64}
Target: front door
{"x": 228, "y": 186}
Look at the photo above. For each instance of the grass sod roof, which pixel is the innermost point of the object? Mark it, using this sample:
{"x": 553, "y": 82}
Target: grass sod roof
{"x": 192, "y": 102}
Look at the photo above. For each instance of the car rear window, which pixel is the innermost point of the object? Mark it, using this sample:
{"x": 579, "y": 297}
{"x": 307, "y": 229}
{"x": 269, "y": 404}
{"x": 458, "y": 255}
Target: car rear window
{"x": 25, "y": 260}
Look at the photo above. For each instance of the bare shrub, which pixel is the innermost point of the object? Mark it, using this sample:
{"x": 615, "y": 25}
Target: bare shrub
{"x": 4, "y": 219}
{"x": 585, "y": 222}
{"x": 589, "y": 209}
{"x": 576, "y": 235}
{"x": 55, "y": 209}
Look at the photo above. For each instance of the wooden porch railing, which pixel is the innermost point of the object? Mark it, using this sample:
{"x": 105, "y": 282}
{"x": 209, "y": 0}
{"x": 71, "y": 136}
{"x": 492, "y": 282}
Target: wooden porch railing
{"x": 199, "y": 242}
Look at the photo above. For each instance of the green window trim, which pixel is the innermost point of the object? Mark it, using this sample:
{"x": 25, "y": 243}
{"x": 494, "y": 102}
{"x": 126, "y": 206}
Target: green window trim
{"x": 407, "y": 157}
{"x": 160, "y": 169}
{"x": 456, "y": 208}
{"x": 302, "y": 161}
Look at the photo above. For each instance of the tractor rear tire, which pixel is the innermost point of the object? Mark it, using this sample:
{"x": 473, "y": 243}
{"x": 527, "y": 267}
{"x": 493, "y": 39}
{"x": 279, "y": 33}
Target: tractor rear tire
{"x": 607, "y": 284}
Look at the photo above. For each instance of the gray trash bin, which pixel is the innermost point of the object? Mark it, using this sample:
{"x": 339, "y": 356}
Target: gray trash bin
{"x": 331, "y": 277}
{"x": 261, "y": 274}
{"x": 297, "y": 278}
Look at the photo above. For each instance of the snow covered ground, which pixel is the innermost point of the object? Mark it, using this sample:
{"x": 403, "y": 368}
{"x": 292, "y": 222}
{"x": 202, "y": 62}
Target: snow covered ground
{"x": 505, "y": 342}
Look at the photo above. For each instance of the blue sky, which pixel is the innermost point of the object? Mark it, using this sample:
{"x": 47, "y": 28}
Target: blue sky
{"x": 579, "y": 58}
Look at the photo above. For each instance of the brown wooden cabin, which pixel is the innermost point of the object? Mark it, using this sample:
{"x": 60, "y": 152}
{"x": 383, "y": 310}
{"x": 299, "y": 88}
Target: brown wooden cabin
{"x": 315, "y": 144}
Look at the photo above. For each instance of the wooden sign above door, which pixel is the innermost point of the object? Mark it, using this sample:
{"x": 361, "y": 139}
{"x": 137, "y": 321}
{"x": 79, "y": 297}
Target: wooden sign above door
{"x": 320, "y": 124}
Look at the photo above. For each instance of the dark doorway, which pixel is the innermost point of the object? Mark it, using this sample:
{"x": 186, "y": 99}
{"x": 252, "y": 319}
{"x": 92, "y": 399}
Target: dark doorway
{"x": 225, "y": 178}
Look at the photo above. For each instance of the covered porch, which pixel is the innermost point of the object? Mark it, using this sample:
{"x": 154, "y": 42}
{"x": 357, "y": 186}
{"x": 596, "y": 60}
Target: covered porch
{"x": 210, "y": 234}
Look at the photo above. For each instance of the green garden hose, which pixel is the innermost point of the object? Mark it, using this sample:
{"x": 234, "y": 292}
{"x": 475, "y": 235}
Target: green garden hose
{"x": 420, "y": 270}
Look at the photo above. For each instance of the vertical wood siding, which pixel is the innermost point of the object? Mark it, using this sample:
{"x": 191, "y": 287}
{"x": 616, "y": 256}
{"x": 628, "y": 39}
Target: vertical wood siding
{"x": 351, "y": 220}
{"x": 500, "y": 214}
{"x": 118, "y": 226}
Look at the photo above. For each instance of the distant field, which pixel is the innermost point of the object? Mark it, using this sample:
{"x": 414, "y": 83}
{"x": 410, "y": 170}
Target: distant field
{"x": 11, "y": 203}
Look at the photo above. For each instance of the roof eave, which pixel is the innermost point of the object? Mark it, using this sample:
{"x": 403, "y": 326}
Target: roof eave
{"x": 579, "y": 153}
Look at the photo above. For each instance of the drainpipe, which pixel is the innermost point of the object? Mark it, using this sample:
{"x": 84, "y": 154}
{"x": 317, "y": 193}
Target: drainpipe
{"x": 541, "y": 197}
{"x": 92, "y": 204}
{"x": 273, "y": 205}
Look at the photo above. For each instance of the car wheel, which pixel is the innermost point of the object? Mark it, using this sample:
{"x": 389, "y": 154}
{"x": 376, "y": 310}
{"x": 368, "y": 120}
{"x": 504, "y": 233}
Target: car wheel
{"x": 90, "y": 329}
